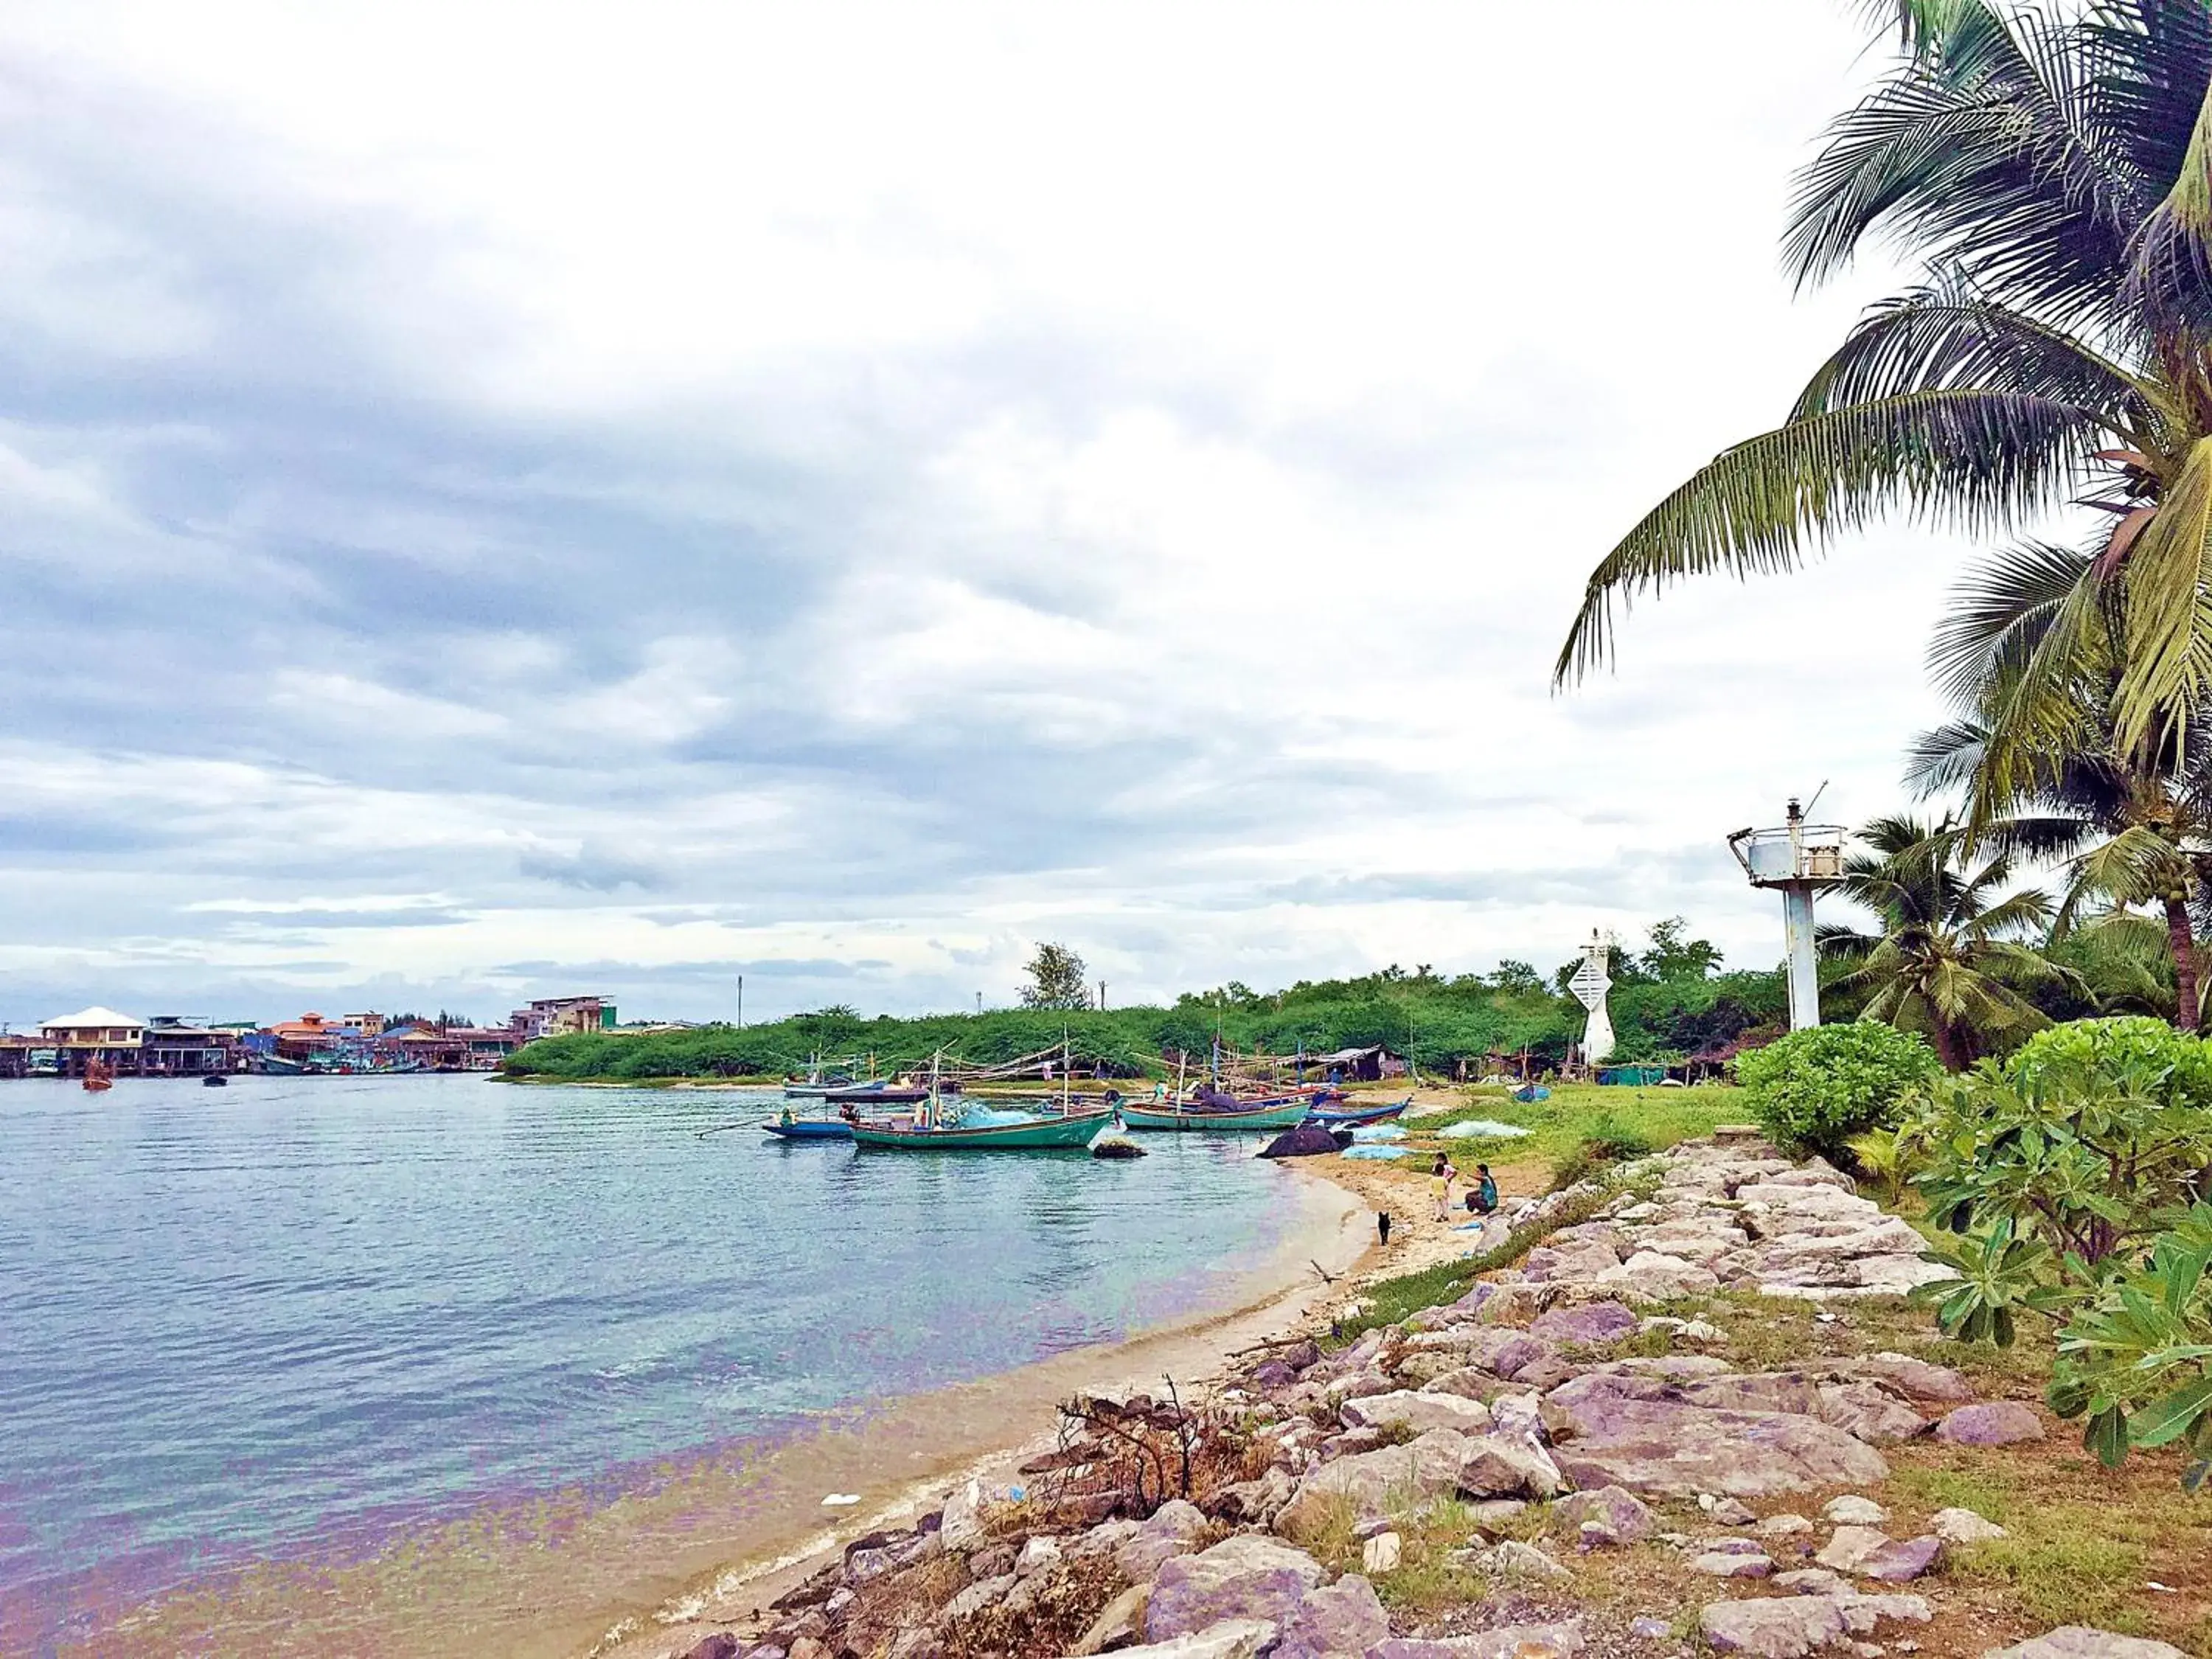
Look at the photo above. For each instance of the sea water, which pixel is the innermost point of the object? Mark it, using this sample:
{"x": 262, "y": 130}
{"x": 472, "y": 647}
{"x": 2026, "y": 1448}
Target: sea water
{"x": 304, "y": 1318}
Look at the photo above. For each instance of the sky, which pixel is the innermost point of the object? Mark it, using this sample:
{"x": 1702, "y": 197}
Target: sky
{"x": 501, "y": 501}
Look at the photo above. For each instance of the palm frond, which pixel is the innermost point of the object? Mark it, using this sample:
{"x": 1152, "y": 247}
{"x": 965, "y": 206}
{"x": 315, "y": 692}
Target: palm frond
{"x": 1962, "y": 456}
{"x": 2169, "y": 605}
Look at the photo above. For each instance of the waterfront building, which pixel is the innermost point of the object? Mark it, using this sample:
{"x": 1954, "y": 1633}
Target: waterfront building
{"x": 91, "y": 1034}
{"x": 172, "y": 1047}
{"x": 557, "y": 1016}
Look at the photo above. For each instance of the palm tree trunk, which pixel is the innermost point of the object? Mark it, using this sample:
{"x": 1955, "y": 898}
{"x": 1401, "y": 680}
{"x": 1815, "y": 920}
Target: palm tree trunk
{"x": 2184, "y": 947}
{"x": 1948, "y": 1049}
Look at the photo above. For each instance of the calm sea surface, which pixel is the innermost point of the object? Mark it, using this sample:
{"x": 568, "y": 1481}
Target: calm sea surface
{"x": 307, "y": 1316}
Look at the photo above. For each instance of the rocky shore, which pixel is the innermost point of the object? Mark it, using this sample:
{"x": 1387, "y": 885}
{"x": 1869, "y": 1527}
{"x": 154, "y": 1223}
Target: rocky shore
{"x": 1548, "y": 1466}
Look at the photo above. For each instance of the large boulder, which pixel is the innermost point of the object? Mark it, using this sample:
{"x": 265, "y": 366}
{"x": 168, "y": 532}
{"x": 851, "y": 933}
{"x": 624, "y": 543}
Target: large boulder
{"x": 1426, "y": 1467}
{"x": 1172, "y": 1530}
{"x": 1560, "y": 1641}
{"x": 1417, "y": 1411}
{"x": 1590, "y": 1323}
{"x": 1790, "y": 1626}
{"x": 1232, "y": 1638}
{"x": 1650, "y": 1276}
{"x": 1998, "y": 1423}
{"x": 1248, "y": 1577}
{"x": 1507, "y": 1465}
{"x": 1629, "y": 1430}
{"x": 2080, "y": 1641}
{"x": 1344, "y": 1618}
{"x": 1611, "y": 1514}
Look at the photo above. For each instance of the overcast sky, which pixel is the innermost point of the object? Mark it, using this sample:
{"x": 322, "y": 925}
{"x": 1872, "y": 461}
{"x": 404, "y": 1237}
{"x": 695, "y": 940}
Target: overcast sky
{"x": 497, "y": 501}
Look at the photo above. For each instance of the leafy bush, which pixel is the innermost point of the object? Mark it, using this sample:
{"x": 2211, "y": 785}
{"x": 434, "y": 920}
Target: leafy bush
{"x": 1813, "y": 1090}
{"x": 2076, "y": 1171}
{"x": 2137, "y": 1358}
{"x": 2090, "y": 1139}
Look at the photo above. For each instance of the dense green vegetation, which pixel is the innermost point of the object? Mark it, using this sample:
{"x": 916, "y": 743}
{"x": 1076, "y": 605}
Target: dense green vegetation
{"x": 1813, "y": 1091}
{"x": 1668, "y": 1003}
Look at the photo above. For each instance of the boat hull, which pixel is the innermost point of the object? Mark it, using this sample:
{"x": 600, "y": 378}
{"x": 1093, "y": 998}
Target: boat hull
{"x": 1052, "y": 1132}
{"x": 811, "y": 1128}
{"x": 1151, "y": 1121}
{"x": 1354, "y": 1118}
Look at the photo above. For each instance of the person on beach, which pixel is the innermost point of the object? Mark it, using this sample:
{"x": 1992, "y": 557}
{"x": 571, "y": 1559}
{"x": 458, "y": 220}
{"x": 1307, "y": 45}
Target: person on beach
{"x": 1445, "y": 1174}
{"x": 1483, "y": 1201}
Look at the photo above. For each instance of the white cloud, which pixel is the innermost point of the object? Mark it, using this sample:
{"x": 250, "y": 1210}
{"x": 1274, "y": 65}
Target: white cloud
{"x": 691, "y": 485}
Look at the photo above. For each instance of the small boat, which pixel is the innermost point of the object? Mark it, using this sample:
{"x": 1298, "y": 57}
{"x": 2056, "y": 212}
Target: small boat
{"x": 1216, "y": 1119}
{"x": 1029, "y": 1134}
{"x": 98, "y": 1077}
{"x": 1353, "y": 1117}
{"x": 879, "y": 1093}
{"x": 810, "y": 1128}
{"x": 214, "y": 1080}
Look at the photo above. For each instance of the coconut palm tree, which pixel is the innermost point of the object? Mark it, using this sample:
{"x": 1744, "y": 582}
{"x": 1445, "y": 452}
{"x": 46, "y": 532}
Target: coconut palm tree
{"x": 2133, "y": 818}
{"x": 2051, "y": 168}
{"x": 1947, "y": 962}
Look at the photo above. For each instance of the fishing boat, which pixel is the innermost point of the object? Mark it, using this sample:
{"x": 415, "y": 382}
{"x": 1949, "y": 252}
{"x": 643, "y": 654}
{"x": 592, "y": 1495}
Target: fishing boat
{"x": 788, "y": 1128}
{"x": 214, "y": 1080}
{"x": 963, "y": 1126}
{"x": 878, "y": 1093}
{"x": 99, "y": 1076}
{"x": 1352, "y": 1117}
{"x": 1218, "y": 1120}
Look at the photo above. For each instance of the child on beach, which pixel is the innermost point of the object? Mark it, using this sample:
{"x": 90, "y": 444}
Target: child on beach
{"x": 1445, "y": 1174}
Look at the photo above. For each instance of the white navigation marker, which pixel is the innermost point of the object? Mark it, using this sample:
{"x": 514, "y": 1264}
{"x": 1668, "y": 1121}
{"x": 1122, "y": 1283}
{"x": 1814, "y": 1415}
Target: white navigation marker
{"x": 1590, "y": 983}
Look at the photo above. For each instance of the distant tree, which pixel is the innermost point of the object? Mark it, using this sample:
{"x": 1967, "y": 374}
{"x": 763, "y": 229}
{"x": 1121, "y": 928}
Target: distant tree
{"x": 834, "y": 1011}
{"x": 1058, "y": 979}
{"x": 1672, "y": 957}
{"x": 1516, "y": 978}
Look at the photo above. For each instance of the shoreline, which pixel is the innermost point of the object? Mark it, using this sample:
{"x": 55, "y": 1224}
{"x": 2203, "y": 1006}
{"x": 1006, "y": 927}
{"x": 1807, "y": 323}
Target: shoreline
{"x": 1197, "y": 1350}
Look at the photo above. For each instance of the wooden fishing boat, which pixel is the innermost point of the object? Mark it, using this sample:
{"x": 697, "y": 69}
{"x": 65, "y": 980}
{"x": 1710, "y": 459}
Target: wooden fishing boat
{"x": 1216, "y": 1119}
{"x": 1352, "y": 1117}
{"x": 99, "y": 1076}
{"x": 810, "y": 1128}
{"x": 877, "y": 1094}
{"x": 1031, "y": 1135}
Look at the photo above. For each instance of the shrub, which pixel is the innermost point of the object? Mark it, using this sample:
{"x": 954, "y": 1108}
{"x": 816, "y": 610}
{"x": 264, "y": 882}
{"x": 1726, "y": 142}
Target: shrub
{"x": 1813, "y": 1090}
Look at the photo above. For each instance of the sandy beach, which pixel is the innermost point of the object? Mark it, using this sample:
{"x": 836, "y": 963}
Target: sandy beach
{"x": 902, "y": 1463}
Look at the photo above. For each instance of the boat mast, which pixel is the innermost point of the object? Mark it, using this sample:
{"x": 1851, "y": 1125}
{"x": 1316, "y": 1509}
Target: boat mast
{"x": 1063, "y": 1068}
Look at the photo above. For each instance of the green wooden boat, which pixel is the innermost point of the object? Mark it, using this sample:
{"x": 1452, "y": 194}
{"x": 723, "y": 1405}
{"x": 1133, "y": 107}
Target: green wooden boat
{"x": 1273, "y": 1114}
{"x": 1042, "y": 1132}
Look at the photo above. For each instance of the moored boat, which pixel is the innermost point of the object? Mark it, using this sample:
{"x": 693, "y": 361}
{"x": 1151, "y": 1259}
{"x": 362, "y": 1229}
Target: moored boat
{"x": 1353, "y": 1117}
{"x": 1030, "y": 1134}
{"x": 1216, "y": 1119}
{"x": 810, "y": 1128}
{"x": 878, "y": 1093}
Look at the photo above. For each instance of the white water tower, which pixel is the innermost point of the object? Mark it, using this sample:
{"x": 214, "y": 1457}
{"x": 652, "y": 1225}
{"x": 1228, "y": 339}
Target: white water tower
{"x": 1799, "y": 858}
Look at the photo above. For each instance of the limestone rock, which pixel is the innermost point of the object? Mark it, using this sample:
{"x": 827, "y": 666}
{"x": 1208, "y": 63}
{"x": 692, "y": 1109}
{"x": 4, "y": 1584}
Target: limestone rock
{"x": 1427, "y": 1466}
{"x": 1628, "y": 1432}
{"x": 2080, "y": 1641}
{"x": 1996, "y": 1423}
{"x": 1171, "y": 1531}
{"x": 1731, "y": 1564}
{"x": 1515, "y": 1560}
{"x": 1343, "y": 1619}
{"x": 1382, "y": 1552}
{"x": 1590, "y": 1323}
{"x": 1849, "y": 1546}
{"x": 1916, "y": 1379}
{"x": 1650, "y": 1276}
{"x": 1419, "y": 1411}
{"x": 1901, "y": 1562}
{"x": 1956, "y": 1526}
{"x": 1036, "y": 1554}
{"x": 1232, "y": 1638}
{"x": 1121, "y": 1624}
{"x": 1620, "y": 1516}
{"x": 1248, "y": 1577}
{"x": 1853, "y": 1510}
{"x": 1255, "y": 1503}
{"x": 1731, "y": 1512}
{"x": 980, "y": 1595}
{"x": 721, "y": 1645}
{"x": 1812, "y": 1581}
{"x": 1868, "y": 1412}
{"x": 1560, "y": 1641}
{"x": 962, "y": 1525}
{"x": 1502, "y": 1466}
{"x": 1784, "y": 1526}
{"x": 1784, "y": 1627}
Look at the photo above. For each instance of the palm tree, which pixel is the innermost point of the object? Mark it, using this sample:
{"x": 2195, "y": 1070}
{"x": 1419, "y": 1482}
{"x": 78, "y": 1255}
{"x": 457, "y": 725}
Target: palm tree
{"x": 2133, "y": 818}
{"x": 2052, "y": 171}
{"x": 1946, "y": 962}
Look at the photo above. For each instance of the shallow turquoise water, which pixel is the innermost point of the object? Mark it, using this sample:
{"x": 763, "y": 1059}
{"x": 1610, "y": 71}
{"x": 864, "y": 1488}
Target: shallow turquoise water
{"x": 310, "y": 1314}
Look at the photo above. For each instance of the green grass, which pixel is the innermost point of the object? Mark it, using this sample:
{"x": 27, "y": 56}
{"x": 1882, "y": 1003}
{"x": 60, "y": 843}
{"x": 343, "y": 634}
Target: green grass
{"x": 1578, "y": 1113}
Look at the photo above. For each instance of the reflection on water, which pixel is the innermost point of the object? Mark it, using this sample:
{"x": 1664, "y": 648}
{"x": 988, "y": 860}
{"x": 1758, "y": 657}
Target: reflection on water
{"x": 308, "y": 1315}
